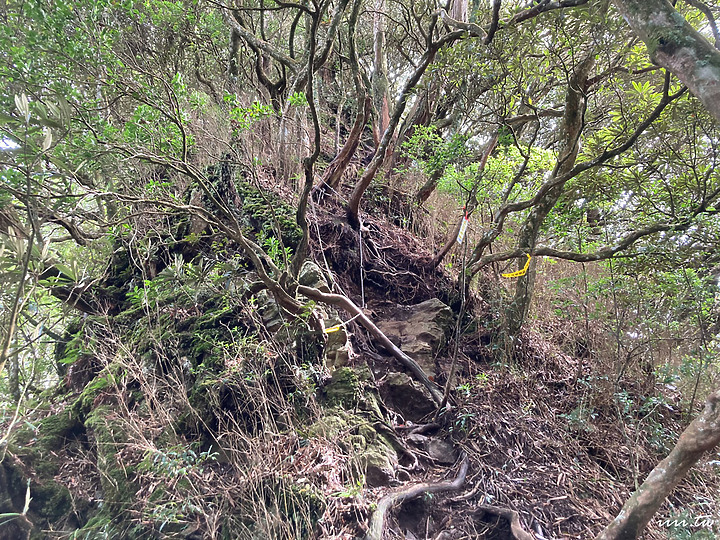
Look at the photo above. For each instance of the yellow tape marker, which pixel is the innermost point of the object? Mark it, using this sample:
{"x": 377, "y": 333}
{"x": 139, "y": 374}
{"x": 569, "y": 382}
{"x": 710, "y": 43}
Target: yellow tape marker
{"x": 519, "y": 273}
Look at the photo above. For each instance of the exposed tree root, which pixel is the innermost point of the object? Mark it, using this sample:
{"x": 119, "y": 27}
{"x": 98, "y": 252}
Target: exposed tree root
{"x": 377, "y": 522}
{"x": 512, "y": 517}
{"x": 345, "y": 303}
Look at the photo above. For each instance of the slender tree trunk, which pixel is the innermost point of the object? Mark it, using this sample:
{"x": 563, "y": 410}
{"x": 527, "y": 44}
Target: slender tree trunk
{"x": 701, "y": 436}
{"x": 459, "y": 10}
{"x": 12, "y": 360}
{"x": 233, "y": 59}
{"x": 333, "y": 174}
{"x": 571, "y": 128}
{"x": 336, "y": 169}
{"x": 381, "y": 98}
{"x": 353, "y": 207}
{"x": 469, "y": 207}
{"x": 428, "y": 187}
{"x": 419, "y": 115}
{"x": 422, "y": 111}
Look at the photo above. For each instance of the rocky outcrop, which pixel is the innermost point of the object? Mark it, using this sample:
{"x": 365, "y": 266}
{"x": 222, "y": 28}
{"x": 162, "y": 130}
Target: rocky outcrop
{"x": 420, "y": 330}
{"x": 351, "y": 423}
{"x": 406, "y": 396}
{"x": 337, "y": 349}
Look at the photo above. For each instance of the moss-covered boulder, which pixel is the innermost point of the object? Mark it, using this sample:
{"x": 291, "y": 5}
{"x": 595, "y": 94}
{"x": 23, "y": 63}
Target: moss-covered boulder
{"x": 110, "y": 438}
{"x": 343, "y": 389}
{"x": 372, "y": 454}
{"x": 32, "y": 462}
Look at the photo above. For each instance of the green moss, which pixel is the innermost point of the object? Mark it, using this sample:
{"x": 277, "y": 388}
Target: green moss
{"x": 373, "y": 455}
{"x": 343, "y": 389}
{"x": 120, "y": 275}
{"x": 50, "y": 500}
{"x": 55, "y": 430}
{"x": 117, "y": 481}
{"x": 211, "y": 319}
{"x": 68, "y": 350}
{"x": 104, "y": 380}
{"x": 266, "y": 212}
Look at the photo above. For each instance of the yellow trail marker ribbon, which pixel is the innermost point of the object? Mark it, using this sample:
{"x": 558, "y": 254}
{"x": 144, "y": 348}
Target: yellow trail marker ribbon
{"x": 522, "y": 272}
{"x": 339, "y": 326}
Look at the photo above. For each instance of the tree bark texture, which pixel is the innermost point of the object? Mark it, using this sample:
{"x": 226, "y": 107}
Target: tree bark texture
{"x": 380, "y": 83}
{"x": 675, "y": 45}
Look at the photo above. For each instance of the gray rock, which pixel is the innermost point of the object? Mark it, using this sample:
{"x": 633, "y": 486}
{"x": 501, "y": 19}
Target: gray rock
{"x": 409, "y": 398}
{"x": 418, "y": 440}
{"x": 442, "y": 451}
{"x": 311, "y": 275}
{"x": 337, "y": 349}
{"x": 420, "y": 330}
{"x": 269, "y": 311}
{"x": 372, "y": 454}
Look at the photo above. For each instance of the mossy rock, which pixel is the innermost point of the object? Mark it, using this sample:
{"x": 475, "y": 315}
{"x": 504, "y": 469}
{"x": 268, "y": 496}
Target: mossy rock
{"x": 406, "y": 396}
{"x": 50, "y": 500}
{"x": 343, "y": 389}
{"x": 36, "y": 446}
{"x": 104, "y": 380}
{"x": 373, "y": 455}
{"x": 117, "y": 481}
{"x": 50, "y": 503}
{"x": 266, "y": 213}
{"x": 55, "y": 430}
{"x": 69, "y": 348}
{"x": 13, "y": 486}
{"x": 353, "y": 388}
{"x": 263, "y": 212}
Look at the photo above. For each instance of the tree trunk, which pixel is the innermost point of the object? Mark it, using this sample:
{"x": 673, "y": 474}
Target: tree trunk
{"x": 428, "y": 187}
{"x": 353, "y": 207}
{"x": 419, "y": 115}
{"x": 336, "y": 169}
{"x": 381, "y": 99}
{"x": 701, "y": 436}
{"x": 571, "y": 129}
{"x": 459, "y": 10}
{"x": 469, "y": 207}
{"x": 675, "y": 45}
{"x": 334, "y": 172}
{"x": 233, "y": 59}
